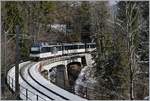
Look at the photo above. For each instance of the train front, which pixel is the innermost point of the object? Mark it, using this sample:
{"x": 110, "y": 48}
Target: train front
{"x": 35, "y": 52}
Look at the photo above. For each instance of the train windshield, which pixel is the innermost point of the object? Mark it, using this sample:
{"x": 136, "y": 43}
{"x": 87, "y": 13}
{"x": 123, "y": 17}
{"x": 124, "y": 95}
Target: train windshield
{"x": 35, "y": 50}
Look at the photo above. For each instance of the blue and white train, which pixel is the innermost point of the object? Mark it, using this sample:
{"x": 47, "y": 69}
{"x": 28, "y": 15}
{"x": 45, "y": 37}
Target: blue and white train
{"x": 44, "y": 50}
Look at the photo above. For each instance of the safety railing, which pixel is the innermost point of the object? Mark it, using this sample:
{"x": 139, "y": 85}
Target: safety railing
{"x": 25, "y": 93}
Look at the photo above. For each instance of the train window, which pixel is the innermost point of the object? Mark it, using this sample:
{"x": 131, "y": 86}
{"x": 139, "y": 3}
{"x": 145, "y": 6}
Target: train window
{"x": 69, "y": 47}
{"x": 75, "y": 46}
{"x": 92, "y": 46}
{"x": 87, "y": 46}
{"x": 81, "y": 46}
{"x": 46, "y": 49}
{"x": 50, "y": 49}
{"x": 59, "y": 48}
{"x": 43, "y": 50}
{"x": 35, "y": 49}
{"x": 66, "y": 47}
{"x": 72, "y": 46}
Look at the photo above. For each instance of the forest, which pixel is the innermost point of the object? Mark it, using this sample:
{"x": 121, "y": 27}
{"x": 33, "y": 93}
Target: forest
{"x": 120, "y": 31}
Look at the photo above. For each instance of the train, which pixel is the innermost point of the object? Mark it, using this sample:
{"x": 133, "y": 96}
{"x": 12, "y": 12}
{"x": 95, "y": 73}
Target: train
{"x": 39, "y": 51}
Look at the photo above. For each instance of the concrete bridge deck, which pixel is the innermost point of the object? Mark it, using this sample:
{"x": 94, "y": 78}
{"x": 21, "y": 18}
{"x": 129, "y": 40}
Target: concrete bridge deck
{"x": 33, "y": 86}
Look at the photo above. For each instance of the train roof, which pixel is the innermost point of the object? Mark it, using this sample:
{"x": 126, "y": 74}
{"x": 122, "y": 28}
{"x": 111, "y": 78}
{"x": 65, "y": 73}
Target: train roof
{"x": 45, "y": 44}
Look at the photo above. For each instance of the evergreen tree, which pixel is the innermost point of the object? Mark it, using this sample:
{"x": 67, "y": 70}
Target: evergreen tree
{"x": 131, "y": 22}
{"x": 106, "y": 61}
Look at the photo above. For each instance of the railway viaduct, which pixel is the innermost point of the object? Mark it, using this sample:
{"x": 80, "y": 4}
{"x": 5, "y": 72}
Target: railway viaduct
{"x": 33, "y": 86}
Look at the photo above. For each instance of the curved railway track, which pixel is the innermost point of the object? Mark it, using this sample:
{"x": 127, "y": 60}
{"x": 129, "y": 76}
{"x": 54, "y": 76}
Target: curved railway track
{"x": 29, "y": 82}
{"x": 27, "y": 77}
{"x": 63, "y": 98}
{"x": 33, "y": 86}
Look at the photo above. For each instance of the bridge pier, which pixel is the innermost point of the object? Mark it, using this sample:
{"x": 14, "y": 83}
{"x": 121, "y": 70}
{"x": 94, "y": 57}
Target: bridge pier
{"x": 83, "y": 61}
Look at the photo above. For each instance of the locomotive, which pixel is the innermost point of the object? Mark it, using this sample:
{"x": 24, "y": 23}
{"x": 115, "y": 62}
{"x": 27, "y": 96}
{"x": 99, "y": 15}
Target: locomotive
{"x": 43, "y": 50}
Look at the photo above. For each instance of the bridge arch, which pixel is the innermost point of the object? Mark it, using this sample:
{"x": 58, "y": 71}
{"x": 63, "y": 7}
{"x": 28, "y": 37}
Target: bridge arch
{"x": 73, "y": 70}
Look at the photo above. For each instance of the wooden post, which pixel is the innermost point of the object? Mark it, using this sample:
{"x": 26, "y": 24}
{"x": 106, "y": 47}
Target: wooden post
{"x": 26, "y": 94}
{"x": 17, "y": 88}
{"x": 37, "y": 97}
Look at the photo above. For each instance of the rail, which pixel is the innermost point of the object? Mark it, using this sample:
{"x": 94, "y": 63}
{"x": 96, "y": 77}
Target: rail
{"x": 48, "y": 85}
{"x": 25, "y": 93}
